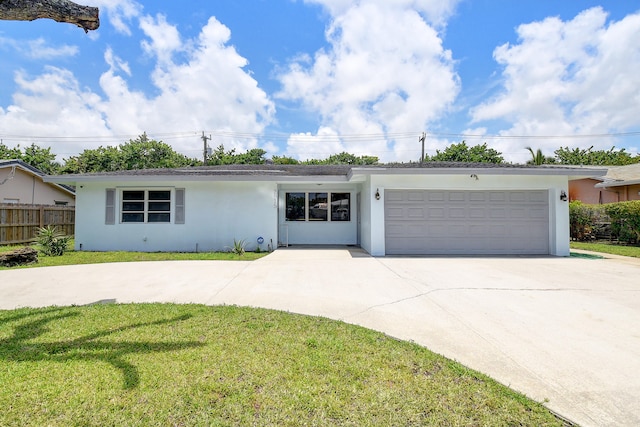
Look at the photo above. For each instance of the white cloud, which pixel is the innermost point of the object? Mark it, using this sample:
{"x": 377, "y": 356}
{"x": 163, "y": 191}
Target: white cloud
{"x": 207, "y": 89}
{"x": 39, "y": 49}
{"x": 164, "y": 37}
{"x": 115, "y": 63}
{"x": 53, "y": 104}
{"x": 119, "y": 13}
{"x": 385, "y": 72}
{"x": 305, "y": 146}
{"x": 565, "y": 78}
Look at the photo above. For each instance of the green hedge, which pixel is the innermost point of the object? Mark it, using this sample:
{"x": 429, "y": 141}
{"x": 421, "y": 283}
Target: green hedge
{"x": 584, "y": 220}
{"x": 625, "y": 220}
{"x": 588, "y": 221}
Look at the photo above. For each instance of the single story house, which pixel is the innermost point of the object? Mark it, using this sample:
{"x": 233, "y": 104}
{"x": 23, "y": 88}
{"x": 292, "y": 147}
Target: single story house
{"x": 620, "y": 184}
{"x": 430, "y": 208}
{"x": 21, "y": 183}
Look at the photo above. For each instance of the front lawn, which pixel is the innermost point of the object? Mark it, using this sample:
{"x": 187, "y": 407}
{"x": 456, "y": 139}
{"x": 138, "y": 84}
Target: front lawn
{"x": 72, "y": 257}
{"x": 192, "y": 365}
{"x": 608, "y": 248}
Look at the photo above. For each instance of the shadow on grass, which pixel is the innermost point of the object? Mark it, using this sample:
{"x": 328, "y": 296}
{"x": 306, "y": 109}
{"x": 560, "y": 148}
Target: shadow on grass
{"x": 20, "y": 347}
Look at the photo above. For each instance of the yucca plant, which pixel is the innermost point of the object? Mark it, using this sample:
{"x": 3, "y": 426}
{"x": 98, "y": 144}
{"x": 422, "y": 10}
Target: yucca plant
{"x": 239, "y": 247}
{"x": 51, "y": 241}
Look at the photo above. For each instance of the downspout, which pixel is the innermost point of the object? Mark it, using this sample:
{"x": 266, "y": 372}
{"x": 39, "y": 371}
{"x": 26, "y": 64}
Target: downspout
{"x": 33, "y": 191}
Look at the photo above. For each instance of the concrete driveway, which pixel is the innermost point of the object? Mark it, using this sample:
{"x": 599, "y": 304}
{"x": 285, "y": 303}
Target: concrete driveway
{"x": 561, "y": 330}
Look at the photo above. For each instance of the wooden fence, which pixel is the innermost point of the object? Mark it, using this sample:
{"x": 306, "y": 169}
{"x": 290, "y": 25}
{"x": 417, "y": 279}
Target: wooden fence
{"x": 20, "y": 223}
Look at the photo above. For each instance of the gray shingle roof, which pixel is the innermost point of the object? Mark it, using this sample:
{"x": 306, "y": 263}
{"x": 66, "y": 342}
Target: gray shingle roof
{"x": 288, "y": 172}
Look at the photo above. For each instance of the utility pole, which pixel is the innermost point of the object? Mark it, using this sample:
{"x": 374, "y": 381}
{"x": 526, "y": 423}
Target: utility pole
{"x": 422, "y": 139}
{"x": 206, "y": 147}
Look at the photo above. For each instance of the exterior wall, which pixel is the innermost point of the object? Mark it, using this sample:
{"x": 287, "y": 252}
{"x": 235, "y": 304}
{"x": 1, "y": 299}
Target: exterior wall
{"x": 585, "y": 191}
{"x": 318, "y": 232}
{"x": 216, "y": 213}
{"x": 623, "y": 193}
{"x": 558, "y": 210}
{"x": 366, "y": 200}
{"x": 30, "y": 189}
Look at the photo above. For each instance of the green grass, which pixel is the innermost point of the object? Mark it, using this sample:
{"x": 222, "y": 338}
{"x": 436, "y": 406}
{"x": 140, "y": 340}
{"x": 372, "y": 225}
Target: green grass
{"x": 192, "y": 365}
{"x": 632, "y": 251}
{"x": 84, "y": 257}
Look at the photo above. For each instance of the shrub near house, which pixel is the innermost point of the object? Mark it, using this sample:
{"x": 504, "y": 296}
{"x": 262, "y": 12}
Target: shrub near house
{"x": 625, "y": 220}
{"x": 623, "y": 217}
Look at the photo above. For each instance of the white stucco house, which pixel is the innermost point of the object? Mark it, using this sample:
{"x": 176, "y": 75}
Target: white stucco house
{"x": 434, "y": 208}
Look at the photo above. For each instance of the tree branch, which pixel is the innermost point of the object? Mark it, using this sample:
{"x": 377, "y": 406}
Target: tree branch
{"x": 85, "y": 17}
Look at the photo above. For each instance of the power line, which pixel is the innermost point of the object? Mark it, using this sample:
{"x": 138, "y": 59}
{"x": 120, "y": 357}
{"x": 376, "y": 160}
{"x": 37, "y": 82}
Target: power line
{"x": 302, "y": 136}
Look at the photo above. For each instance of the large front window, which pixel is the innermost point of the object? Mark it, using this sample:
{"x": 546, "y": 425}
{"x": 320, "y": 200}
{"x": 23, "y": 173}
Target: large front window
{"x": 146, "y": 206}
{"x": 324, "y": 206}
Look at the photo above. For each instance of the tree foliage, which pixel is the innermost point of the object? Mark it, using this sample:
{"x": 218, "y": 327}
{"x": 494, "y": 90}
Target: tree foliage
{"x": 343, "y": 158}
{"x": 41, "y": 158}
{"x": 142, "y": 153}
{"x": 462, "y": 153}
{"x": 587, "y": 156}
{"x": 254, "y": 156}
{"x": 537, "y": 158}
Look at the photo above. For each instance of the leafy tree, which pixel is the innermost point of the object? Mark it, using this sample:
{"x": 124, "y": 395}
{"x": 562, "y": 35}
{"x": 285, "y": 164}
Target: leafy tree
{"x": 284, "y": 160}
{"x": 141, "y": 153}
{"x": 462, "y": 153}
{"x": 255, "y": 156}
{"x": 144, "y": 153}
{"x": 344, "y": 158}
{"x": 581, "y": 156}
{"x": 7, "y": 153}
{"x": 101, "y": 159}
{"x": 41, "y": 158}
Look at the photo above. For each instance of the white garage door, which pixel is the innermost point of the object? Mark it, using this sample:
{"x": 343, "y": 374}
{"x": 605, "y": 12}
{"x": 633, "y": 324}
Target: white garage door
{"x": 466, "y": 222}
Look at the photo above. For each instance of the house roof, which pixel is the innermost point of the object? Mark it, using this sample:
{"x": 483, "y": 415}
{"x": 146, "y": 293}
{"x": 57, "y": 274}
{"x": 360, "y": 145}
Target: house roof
{"x": 621, "y": 175}
{"x": 32, "y": 170}
{"x": 319, "y": 172}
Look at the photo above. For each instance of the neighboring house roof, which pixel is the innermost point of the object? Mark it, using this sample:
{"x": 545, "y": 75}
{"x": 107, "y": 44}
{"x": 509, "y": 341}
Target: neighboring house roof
{"x": 618, "y": 176}
{"x": 321, "y": 172}
{"x": 13, "y": 163}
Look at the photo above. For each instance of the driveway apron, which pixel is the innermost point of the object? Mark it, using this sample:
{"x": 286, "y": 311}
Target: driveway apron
{"x": 564, "y": 331}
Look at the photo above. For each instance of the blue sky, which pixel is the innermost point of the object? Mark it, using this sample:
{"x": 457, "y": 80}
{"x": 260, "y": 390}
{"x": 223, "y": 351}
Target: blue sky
{"x": 311, "y": 78}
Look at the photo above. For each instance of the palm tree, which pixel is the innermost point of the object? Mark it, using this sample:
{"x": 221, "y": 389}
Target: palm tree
{"x": 537, "y": 158}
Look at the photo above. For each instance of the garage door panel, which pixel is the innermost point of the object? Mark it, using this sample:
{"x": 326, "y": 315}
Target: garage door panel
{"x": 435, "y": 213}
{"x": 435, "y": 196}
{"x": 394, "y": 196}
{"x": 535, "y": 213}
{"x": 457, "y": 196}
{"x": 466, "y": 222}
{"x": 455, "y": 212}
{"x": 415, "y": 196}
{"x": 416, "y": 213}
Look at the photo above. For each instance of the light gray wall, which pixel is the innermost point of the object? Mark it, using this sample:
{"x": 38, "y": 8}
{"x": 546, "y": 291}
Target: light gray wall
{"x": 216, "y": 213}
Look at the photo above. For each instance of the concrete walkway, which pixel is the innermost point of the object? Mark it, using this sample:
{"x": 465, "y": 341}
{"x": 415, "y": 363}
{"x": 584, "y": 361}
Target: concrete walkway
{"x": 561, "y": 330}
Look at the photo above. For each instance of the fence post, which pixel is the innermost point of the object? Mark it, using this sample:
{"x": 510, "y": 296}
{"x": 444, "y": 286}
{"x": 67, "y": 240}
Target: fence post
{"x": 41, "y": 216}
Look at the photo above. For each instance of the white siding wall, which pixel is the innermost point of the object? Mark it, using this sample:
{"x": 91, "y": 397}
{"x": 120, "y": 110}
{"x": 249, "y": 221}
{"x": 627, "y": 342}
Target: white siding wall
{"x": 216, "y": 213}
{"x": 374, "y": 242}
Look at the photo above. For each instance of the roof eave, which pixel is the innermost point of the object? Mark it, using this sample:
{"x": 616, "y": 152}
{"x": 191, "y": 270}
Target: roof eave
{"x": 76, "y": 179}
{"x": 607, "y": 184}
{"x": 573, "y": 173}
